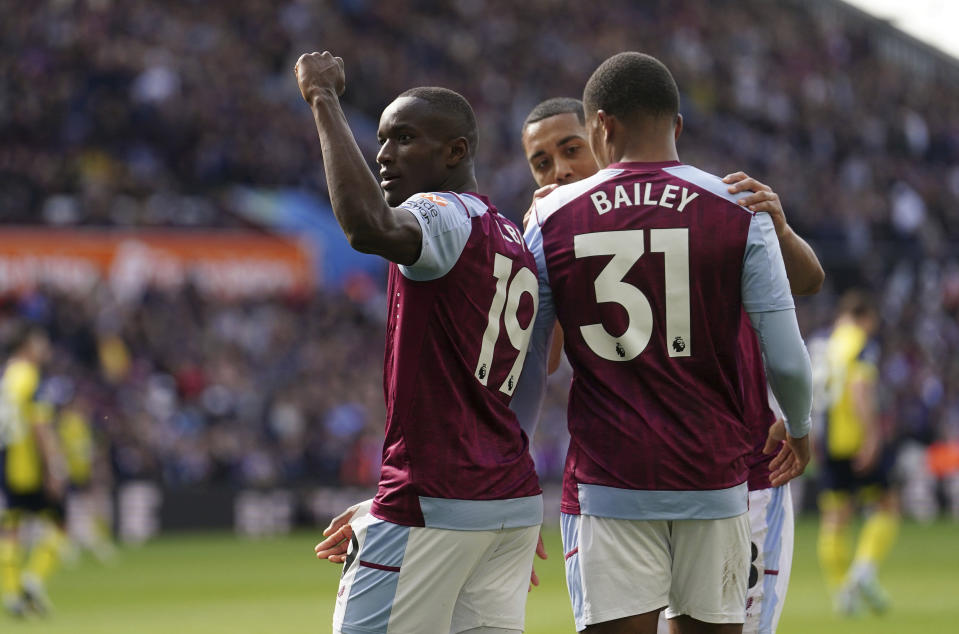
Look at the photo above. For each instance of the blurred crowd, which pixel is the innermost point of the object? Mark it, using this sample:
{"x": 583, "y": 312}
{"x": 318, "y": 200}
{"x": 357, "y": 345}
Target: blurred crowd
{"x": 144, "y": 113}
{"x": 186, "y": 390}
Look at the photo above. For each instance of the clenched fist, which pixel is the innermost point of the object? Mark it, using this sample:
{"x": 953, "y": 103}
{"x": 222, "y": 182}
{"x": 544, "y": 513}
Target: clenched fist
{"x": 319, "y": 72}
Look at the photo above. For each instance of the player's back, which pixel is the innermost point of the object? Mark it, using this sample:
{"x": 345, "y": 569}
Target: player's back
{"x": 457, "y": 334}
{"x": 645, "y": 263}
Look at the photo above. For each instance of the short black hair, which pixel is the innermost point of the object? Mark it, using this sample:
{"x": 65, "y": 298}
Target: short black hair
{"x": 630, "y": 84}
{"x": 553, "y": 107}
{"x": 453, "y": 105}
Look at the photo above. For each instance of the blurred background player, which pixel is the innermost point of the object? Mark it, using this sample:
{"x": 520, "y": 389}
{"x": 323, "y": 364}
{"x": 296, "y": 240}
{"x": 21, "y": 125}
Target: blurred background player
{"x": 87, "y": 520}
{"x": 554, "y": 140}
{"x": 449, "y": 540}
{"x": 651, "y": 373}
{"x": 856, "y": 462}
{"x": 34, "y": 479}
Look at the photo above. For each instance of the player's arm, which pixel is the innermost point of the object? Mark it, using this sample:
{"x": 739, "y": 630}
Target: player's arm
{"x": 54, "y": 464}
{"x": 555, "y": 349}
{"x": 370, "y": 224}
{"x": 528, "y": 397}
{"x": 803, "y": 269}
{"x": 862, "y": 393}
{"x": 556, "y": 343}
{"x": 767, "y": 300}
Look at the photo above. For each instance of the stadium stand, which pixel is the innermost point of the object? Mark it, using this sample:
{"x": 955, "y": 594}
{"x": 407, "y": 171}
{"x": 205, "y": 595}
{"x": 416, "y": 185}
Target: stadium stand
{"x": 146, "y": 114}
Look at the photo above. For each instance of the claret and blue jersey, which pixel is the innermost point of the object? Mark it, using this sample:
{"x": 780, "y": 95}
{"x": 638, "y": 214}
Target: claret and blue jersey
{"x": 459, "y": 324}
{"x": 649, "y": 268}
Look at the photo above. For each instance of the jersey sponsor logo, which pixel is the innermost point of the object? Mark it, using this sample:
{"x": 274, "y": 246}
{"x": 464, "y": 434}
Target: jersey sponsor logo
{"x": 436, "y": 199}
{"x": 424, "y": 208}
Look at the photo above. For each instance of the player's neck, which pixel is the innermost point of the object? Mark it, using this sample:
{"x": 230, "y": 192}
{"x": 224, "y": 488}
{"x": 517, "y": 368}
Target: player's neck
{"x": 460, "y": 182}
{"x": 647, "y": 150}
{"x": 645, "y": 140}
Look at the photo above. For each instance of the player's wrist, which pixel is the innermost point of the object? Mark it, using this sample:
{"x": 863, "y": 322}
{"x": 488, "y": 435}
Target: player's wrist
{"x": 800, "y": 430}
{"x": 323, "y": 97}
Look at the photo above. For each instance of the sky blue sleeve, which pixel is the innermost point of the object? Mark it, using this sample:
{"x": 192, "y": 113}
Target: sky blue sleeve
{"x": 769, "y": 303}
{"x": 765, "y": 286}
{"x": 788, "y": 370}
{"x": 528, "y": 396}
{"x": 445, "y": 228}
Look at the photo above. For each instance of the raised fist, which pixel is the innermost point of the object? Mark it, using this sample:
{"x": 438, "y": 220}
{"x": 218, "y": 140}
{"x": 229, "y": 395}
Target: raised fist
{"x": 319, "y": 72}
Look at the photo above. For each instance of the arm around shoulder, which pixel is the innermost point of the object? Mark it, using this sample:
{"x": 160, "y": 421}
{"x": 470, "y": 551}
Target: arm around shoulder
{"x": 767, "y": 300}
{"x": 805, "y": 273}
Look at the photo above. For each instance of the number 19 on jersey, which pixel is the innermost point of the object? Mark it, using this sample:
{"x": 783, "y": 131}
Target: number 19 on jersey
{"x": 506, "y": 303}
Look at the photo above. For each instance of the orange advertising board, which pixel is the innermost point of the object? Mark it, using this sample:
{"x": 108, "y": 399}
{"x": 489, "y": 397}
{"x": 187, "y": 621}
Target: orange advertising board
{"x": 220, "y": 263}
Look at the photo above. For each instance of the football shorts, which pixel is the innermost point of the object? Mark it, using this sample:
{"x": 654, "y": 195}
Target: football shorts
{"x": 417, "y": 580}
{"x": 618, "y": 568}
{"x": 771, "y": 525}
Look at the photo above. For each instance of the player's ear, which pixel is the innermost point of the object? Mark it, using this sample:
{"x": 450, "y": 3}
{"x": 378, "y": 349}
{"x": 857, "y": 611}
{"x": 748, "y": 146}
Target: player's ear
{"x": 679, "y": 127}
{"x": 607, "y": 123}
{"x": 457, "y": 150}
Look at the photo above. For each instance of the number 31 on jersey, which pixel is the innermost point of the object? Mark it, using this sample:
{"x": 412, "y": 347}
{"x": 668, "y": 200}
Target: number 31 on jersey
{"x": 627, "y": 248}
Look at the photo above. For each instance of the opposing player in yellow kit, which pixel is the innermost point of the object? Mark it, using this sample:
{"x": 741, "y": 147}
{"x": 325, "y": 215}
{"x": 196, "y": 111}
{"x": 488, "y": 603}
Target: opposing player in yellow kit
{"x": 856, "y": 463}
{"x": 33, "y": 478}
{"x": 87, "y": 498}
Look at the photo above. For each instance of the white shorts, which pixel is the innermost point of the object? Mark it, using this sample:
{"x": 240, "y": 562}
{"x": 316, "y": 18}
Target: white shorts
{"x": 771, "y": 525}
{"x": 618, "y": 568}
{"x": 415, "y": 580}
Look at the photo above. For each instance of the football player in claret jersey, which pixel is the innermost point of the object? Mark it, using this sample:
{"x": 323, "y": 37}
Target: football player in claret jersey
{"x": 648, "y": 266}
{"x": 554, "y": 140}
{"x": 856, "y": 461}
{"x": 449, "y": 540}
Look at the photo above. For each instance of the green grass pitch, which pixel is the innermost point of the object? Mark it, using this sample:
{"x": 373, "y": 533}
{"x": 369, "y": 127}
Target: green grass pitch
{"x": 219, "y": 583}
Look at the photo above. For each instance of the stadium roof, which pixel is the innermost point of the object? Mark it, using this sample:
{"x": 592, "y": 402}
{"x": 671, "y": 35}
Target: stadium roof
{"x": 931, "y": 21}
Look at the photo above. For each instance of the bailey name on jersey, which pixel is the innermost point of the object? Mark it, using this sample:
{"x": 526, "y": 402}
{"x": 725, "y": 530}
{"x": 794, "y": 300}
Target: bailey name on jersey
{"x": 643, "y": 195}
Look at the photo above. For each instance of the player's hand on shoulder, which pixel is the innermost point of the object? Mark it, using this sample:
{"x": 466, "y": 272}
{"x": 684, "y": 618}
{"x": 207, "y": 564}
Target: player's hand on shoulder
{"x": 319, "y": 72}
{"x": 759, "y": 197}
{"x": 539, "y": 193}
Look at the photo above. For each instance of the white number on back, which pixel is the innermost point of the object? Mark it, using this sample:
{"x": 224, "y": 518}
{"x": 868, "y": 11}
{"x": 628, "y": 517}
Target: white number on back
{"x": 506, "y": 304}
{"x": 627, "y": 248}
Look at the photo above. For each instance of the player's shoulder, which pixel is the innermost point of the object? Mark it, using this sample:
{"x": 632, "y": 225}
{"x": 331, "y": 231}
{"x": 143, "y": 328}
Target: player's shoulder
{"x": 440, "y": 211}
{"x": 565, "y": 194}
{"x": 437, "y": 202}
{"x": 709, "y": 183}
